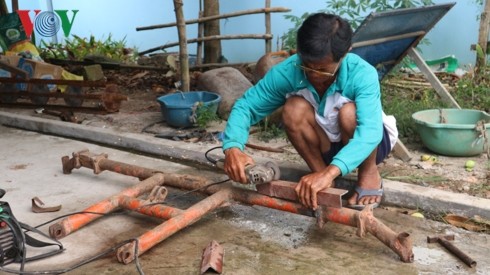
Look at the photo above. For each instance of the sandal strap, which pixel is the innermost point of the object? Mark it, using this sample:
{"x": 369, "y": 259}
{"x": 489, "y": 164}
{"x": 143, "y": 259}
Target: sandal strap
{"x": 361, "y": 192}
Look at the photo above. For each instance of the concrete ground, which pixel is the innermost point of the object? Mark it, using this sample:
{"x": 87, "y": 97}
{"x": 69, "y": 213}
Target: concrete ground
{"x": 256, "y": 240}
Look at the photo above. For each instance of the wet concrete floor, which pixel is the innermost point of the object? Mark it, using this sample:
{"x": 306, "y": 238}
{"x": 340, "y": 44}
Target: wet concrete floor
{"x": 256, "y": 240}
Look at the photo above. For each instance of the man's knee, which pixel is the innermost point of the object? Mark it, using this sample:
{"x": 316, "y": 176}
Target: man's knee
{"x": 295, "y": 110}
{"x": 347, "y": 116}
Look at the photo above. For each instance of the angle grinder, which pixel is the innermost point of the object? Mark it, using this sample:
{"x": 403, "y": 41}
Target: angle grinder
{"x": 259, "y": 173}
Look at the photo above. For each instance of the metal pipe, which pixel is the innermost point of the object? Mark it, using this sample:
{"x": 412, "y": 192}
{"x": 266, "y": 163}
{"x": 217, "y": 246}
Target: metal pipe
{"x": 158, "y": 210}
{"x": 364, "y": 220}
{"x": 126, "y": 253}
{"x": 75, "y": 222}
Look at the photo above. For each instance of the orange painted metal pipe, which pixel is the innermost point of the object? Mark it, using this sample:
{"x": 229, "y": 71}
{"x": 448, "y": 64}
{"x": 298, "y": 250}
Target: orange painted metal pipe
{"x": 158, "y": 210}
{"x": 365, "y": 222}
{"x": 75, "y": 222}
{"x": 126, "y": 253}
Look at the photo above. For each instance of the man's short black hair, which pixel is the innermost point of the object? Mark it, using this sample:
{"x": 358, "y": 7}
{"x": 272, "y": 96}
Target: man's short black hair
{"x": 322, "y": 34}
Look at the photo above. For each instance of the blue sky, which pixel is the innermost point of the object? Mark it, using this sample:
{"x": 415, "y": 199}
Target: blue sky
{"x": 453, "y": 35}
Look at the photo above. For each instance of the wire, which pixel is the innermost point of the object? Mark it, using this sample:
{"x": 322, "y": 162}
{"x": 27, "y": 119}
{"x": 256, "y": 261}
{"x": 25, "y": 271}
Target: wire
{"x": 81, "y": 212}
{"x": 213, "y": 161}
{"x": 84, "y": 262}
{"x": 10, "y": 221}
{"x": 145, "y": 129}
{"x": 93, "y": 258}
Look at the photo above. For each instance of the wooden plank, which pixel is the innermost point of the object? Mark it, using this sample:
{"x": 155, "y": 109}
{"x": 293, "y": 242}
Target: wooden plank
{"x": 387, "y": 39}
{"x": 401, "y": 152}
{"x": 13, "y": 70}
{"x": 432, "y": 78}
{"x": 331, "y": 197}
{"x": 214, "y": 17}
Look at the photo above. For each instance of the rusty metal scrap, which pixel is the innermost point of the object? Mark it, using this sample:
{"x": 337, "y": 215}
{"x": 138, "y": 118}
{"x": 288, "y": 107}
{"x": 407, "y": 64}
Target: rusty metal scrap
{"x": 39, "y": 92}
{"x": 212, "y": 258}
{"x": 38, "y": 206}
{"x": 444, "y": 241}
{"x": 285, "y": 190}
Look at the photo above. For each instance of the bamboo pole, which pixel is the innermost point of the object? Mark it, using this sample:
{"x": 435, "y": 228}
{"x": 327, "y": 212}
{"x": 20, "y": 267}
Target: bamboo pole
{"x": 220, "y": 65}
{"x": 483, "y": 35}
{"x": 268, "y": 42}
{"x": 208, "y": 38}
{"x": 183, "y": 55}
{"x": 214, "y": 17}
{"x": 200, "y": 31}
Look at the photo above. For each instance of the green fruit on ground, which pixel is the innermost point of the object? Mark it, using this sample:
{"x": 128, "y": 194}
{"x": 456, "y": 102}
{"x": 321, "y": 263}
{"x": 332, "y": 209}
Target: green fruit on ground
{"x": 425, "y": 157}
{"x": 469, "y": 164}
{"x": 417, "y": 215}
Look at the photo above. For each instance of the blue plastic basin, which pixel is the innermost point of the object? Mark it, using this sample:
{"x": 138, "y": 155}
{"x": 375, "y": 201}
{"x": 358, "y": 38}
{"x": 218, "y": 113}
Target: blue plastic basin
{"x": 177, "y": 108}
{"x": 453, "y": 132}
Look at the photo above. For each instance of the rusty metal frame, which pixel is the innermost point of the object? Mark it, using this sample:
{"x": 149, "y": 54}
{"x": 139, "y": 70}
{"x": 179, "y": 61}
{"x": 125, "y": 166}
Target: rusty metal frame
{"x": 177, "y": 219}
{"x": 107, "y": 101}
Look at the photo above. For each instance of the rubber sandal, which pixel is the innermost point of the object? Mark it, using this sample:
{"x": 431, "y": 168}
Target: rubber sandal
{"x": 366, "y": 192}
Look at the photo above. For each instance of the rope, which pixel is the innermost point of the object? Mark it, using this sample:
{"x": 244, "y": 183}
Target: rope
{"x": 482, "y": 129}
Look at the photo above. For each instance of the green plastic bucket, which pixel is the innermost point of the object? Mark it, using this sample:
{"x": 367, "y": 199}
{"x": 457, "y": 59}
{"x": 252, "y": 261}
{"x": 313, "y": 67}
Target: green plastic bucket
{"x": 454, "y": 132}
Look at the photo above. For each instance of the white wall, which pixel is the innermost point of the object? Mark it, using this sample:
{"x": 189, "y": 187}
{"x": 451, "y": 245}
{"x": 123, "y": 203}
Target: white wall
{"x": 452, "y": 35}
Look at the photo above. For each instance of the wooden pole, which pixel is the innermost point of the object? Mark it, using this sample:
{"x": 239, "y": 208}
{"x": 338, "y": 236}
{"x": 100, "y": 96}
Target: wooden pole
{"x": 209, "y": 38}
{"x": 15, "y": 5}
{"x": 268, "y": 42}
{"x": 483, "y": 35}
{"x": 212, "y": 48}
{"x": 183, "y": 55}
{"x": 214, "y": 17}
{"x": 200, "y": 34}
{"x": 3, "y": 8}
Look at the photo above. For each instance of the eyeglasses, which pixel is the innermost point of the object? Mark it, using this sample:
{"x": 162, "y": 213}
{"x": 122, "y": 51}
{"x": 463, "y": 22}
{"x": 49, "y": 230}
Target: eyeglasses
{"x": 322, "y": 73}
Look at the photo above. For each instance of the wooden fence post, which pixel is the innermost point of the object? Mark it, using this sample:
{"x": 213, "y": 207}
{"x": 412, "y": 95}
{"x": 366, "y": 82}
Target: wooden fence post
{"x": 183, "y": 55}
{"x": 268, "y": 42}
{"x": 483, "y": 35}
{"x": 212, "y": 49}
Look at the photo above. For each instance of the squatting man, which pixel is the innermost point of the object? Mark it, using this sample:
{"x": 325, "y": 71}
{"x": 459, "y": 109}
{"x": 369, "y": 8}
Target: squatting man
{"x": 332, "y": 113}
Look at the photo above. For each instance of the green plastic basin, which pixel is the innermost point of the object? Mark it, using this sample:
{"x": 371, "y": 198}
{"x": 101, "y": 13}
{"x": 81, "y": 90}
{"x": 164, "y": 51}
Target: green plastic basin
{"x": 453, "y": 132}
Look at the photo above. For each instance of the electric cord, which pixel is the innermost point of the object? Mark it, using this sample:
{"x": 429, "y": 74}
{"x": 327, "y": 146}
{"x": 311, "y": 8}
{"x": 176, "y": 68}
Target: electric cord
{"x": 213, "y": 161}
{"x": 81, "y": 212}
{"x": 184, "y": 194}
{"x": 16, "y": 236}
{"x": 84, "y": 262}
{"x": 145, "y": 129}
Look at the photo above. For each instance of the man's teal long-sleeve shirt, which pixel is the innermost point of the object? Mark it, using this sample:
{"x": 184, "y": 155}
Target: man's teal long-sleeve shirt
{"x": 357, "y": 81}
